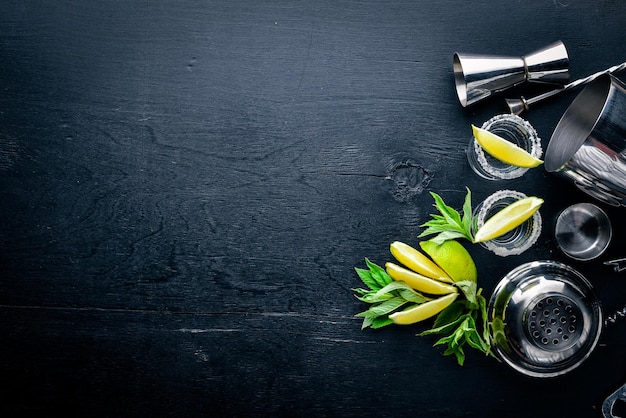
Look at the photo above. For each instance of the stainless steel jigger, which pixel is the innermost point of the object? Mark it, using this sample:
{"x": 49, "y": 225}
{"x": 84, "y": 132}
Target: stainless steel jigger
{"x": 478, "y": 77}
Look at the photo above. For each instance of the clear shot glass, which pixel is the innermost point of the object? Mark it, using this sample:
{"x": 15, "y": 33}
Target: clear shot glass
{"x": 514, "y": 129}
{"x": 513, "y": 242}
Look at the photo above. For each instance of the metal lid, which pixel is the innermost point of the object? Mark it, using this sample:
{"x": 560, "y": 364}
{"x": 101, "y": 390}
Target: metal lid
{"x": 546, "y": 318}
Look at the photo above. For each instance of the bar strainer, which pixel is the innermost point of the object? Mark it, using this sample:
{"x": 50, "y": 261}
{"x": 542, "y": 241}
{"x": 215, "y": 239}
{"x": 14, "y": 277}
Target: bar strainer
{"x": 546, "y": 318}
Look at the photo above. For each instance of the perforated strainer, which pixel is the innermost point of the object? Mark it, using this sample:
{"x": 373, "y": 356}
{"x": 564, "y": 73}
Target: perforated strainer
{"x": 546, "y": 318}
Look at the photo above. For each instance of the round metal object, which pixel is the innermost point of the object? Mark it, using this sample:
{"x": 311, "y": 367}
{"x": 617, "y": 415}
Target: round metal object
{"x": 546, "y": 318}
{"x": 583, "y": 231}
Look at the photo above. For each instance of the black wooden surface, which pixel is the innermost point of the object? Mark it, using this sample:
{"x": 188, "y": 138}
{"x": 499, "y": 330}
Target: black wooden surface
{"x": 186, "y": 187}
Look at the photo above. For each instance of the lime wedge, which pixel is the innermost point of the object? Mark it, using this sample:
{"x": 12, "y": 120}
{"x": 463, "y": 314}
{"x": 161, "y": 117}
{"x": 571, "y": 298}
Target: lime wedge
{"x": 508, "y": 218}
{"x": 417, "y": 281}
{"x": 423, "y": 311}
{"x": 418, "y": 262}
{"x": 503, "y": 150}
{"x": 453, "y": 258}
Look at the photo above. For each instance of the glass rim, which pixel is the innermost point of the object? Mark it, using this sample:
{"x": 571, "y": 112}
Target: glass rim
{"x": 496, "y": 246}
{"x": 485, "y": 168}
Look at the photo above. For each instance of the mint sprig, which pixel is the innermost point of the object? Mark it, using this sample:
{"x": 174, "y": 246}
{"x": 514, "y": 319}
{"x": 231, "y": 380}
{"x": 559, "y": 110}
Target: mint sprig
{"x": 384, "y": 294}
{"x": 462, "y": 324}
{"x": 449, "y": 223}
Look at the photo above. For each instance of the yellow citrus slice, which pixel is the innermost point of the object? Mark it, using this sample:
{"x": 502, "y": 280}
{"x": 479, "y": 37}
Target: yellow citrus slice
{"x": 423, "y": 311}
{"x": 453, "y": 258}
{"x": 417, "y": 281}
{"x": 503, "y": 150}
{"x": 508, "y": 218}
{"x": 418, "y": 262}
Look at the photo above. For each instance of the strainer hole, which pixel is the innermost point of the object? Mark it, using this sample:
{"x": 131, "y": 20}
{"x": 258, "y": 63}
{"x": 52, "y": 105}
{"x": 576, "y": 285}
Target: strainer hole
{"x": 533, "y": 314}
{"x": 559, "y": 330}
{"x": 563, "y": 320}
{"x": 560, "y": 302}
{"x": 536, "y": 334}
{"x": 553, "y": 321}
{"x": 546, "y": 313}
{"x": 565, "y": 337}
{"x": 549, "y": 301}
{"x": 555, "y": 341}
{"x": 542, "y": 323}
{"x": 544, "y": 340}
{"x": 569, "y": 309}
{"x": 572, "y": 318}
{"x": 572, "y": 328}
{"x": 548, "y": 331}
{"x": 540, "y": 305}
{"x": 532, "y": 324}
{"x": 556, "y": 311}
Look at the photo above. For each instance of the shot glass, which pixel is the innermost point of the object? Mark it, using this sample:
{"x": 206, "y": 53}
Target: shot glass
{"x": 515, "y": 241}
{"x": 514, "y": 129}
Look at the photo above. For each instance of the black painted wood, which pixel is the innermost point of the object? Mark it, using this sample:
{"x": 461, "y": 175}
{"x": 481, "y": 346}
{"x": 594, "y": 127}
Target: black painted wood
{"x": 186, "y": 187}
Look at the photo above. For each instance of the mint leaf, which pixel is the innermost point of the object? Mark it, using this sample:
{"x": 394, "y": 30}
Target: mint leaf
{"x": 465, "y": 323}
{"x": 378, "y": 273}
{"x": 499, "y": 337}
{"x": 462, "y": 324}
{"x": 450, "y": 314}
{"x": 367, "y": 279}
{"x": 449, "y": 224}
{"x": 445, "y": 328}
{"x": 482, "y": 306}
{"x": 371, "y": 296}
{"x": 385, "y": 296}
{"x": 413, "y": 296}
{"x": 467, "y": 212}
{"x": 387, "y": 306}
{"x": 468, "y": 288}
{"x": 380, "y": 322}
{"x": 396, "y": 285}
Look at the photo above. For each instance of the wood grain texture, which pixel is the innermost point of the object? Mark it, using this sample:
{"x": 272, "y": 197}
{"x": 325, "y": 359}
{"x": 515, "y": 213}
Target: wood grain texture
{"x": 186, "y": 186}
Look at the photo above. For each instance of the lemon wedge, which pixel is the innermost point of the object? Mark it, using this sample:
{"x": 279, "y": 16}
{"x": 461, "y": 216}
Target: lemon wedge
{"x": 508, "y": 218}
{"x": 503, "y": 150}
{"x": 423, "y": 311}
{"x": 418, "y": 262}
{"x": 417, "y": 281}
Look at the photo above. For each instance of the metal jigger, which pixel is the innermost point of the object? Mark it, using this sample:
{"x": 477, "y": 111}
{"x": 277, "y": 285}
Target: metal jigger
{"x": 478, "y": 77}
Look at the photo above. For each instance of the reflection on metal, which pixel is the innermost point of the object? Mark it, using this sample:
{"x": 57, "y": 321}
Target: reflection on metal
{"x": 478, "y": 77}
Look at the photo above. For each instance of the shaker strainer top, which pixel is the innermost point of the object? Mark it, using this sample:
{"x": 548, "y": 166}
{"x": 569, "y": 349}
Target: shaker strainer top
{"x": 546, "y": 318}
{"x": 554, "y": 322}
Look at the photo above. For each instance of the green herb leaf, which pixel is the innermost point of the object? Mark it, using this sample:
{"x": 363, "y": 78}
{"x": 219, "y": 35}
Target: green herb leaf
{"x": 398, "y": 285}
{"x": 380, "y": 322}
{"x": 467, "y": 211}
{"x": 445, "y": 328}
{"x": 372, "y": 296}
{"x": 450, "y": 314}
{"x": 367, "y": 279}
{"x": 449, "y": 224}
{"x": 378, "y": 274}
{"x": 461, "y": 326}
{"x": 387, "y": 306}
{"x": 385, "y": 296}
{"x": 468, "y": 288}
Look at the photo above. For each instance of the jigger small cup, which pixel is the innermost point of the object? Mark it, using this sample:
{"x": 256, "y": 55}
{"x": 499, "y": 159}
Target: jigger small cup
{"x": 478, "y": 77}
{"x": 583, "y": 231}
